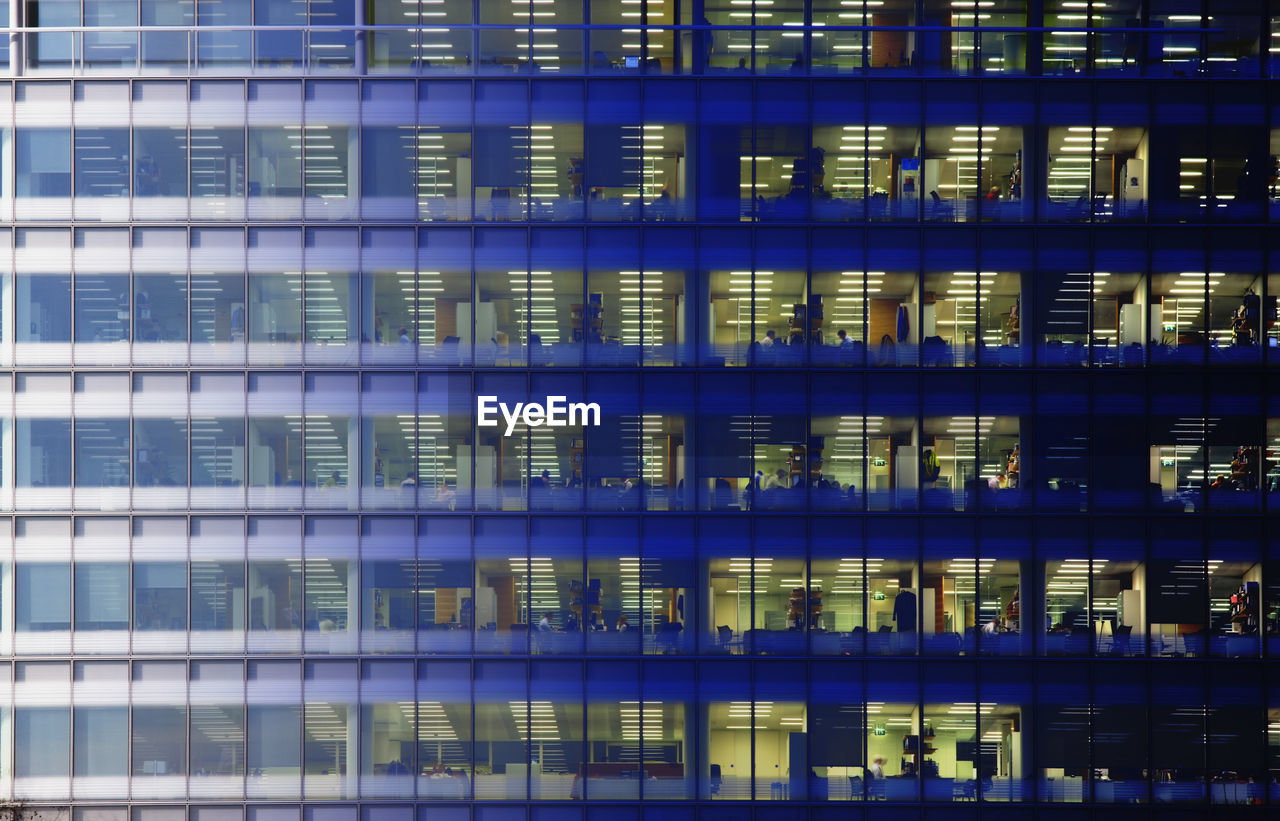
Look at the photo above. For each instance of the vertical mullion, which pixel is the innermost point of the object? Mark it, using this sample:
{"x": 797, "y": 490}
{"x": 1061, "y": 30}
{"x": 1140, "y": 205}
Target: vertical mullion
{"x": 302, "y": 724}
{"x": 244, "y": 697}
{"x": 527, "y": 657}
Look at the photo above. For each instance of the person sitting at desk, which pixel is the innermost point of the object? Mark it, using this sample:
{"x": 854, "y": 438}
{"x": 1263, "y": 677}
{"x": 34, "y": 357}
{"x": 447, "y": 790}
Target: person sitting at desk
{"x": 631, "y": 495}
{"x": 662, "y": 209}
{"x": 334, "y": 480}
{"x": 540, "y": 490}
{"x": 148, "y": 177}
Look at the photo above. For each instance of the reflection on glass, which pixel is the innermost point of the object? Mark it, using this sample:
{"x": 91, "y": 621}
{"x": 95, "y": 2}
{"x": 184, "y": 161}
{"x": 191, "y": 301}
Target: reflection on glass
{"x": 275, "y": 308}
{"x": 275, "y": 161}
{"x": 274, "y": 756}
{"x": 390, "y": 296}
{"x": 54, "y": 49}
{"x": 331, "y": 300}
{"x": 502, "y": 723}
{"x": 102, "y": 596}
{"x": 43, "y": 308}
{"x": 217, "y": 596}
{"x": 387, "y": 602}
{"x": 444, "y": 475}
{"x": 217, "y": 452}
{"x": 223, "y": 49}
{"x": 386, "y": 167}
{"x": 166, "y": 49}
{"x": 388, "y": 732}
{"x": 280, "y": 48}
{"x": 159, "y": 308}
{"x": 102, "y": 452}
{"x": 111, "y": 49}
{"x": 42, "y": 741}
{"x": 444, "y": 725}
{"x": 159, "y": 596}
{"x": 275, "y": 595}
{"x": 217, "y": 162}
{"x": 42, "y": 597}
{"x": 160, "y": 162}
{"x": 328, "y": 604}
{"x": 217, "y": 308}
{"x": 102, "y": 162}
{"x": 327, "y": 158}
{"x": 217, "y": 740}
{"x": 443, "y": 174}
{"x": 102, "y": 307}
{"x": 328, "y": 728}
{"x": 327, "y": 443}
{"x": 44, "y": 159}
{"x": 101, "y": 741}
{"x": 159, "y": 741}
{"x": 276, "y": 452}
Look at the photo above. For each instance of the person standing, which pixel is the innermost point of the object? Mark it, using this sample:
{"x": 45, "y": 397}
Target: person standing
{"x": 875, "y": 781}
{"x": 904, "y": 610}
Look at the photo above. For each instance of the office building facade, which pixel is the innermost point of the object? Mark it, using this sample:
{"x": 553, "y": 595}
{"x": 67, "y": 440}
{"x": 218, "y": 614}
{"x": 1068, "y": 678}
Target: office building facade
{"x": 934, "y": 344}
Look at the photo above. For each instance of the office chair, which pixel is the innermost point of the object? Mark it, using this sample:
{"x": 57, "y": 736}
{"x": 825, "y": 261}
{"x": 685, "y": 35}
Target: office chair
{"x": 940, "y": 211}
